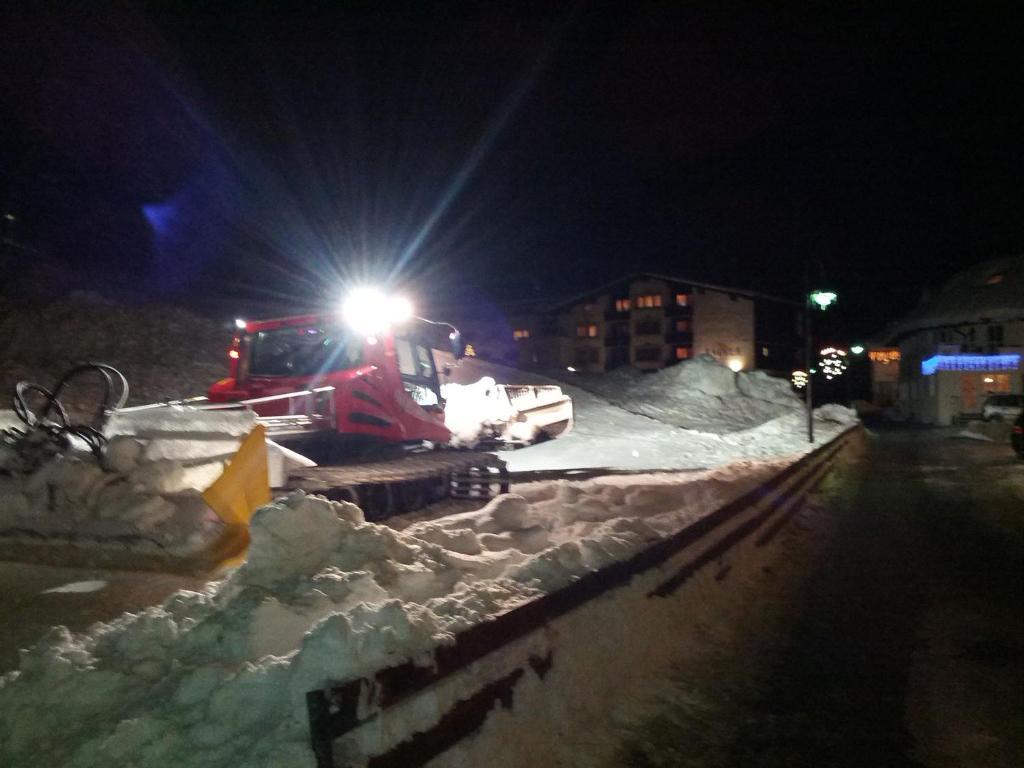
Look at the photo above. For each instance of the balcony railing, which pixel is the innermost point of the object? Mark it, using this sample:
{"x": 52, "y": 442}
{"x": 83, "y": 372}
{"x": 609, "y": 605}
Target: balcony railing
{"x": 617, "y": 340}
{"x": 679, "y": 337}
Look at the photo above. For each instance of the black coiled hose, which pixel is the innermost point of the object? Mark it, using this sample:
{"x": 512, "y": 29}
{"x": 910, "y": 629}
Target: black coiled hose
{"x": 52, "y": 419}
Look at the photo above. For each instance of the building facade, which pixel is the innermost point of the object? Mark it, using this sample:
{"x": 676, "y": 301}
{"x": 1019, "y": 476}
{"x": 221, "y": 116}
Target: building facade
{"x": 963, "y": 344}
{"x": 652, "y": 321}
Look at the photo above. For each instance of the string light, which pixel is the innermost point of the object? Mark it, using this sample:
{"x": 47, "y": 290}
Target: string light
{"x": 799, "y": 379}
{"x": 833, "y": 362}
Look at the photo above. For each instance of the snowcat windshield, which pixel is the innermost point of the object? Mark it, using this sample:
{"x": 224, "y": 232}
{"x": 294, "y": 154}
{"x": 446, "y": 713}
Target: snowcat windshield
{"x": 303, "y": 351}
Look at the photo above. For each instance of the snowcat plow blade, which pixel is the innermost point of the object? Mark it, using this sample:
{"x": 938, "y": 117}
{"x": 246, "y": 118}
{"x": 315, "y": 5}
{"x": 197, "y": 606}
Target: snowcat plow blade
{"x": 545, "y": 411}
{"x": 237, "y": 493}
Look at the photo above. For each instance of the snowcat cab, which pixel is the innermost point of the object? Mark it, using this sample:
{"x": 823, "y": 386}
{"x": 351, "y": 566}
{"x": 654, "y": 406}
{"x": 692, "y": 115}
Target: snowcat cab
{"x": 317, "y": 375}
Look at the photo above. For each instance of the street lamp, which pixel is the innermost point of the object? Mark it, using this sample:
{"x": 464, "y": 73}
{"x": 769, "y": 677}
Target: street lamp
{"x": 822, "y": 300}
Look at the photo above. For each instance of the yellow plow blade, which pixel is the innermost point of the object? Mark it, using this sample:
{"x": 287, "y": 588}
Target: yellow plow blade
{"x": 237, "y": 493}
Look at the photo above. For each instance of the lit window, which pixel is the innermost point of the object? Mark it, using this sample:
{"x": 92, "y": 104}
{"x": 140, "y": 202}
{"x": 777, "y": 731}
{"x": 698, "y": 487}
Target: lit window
{"x": 586, "y": 331}
{"x": 520, "y": 333}
{"x": 649, "y": 301}
{"x": 682, "y": 299}
{"x": 622, "y": 305}
{"x": 995, "y": 279}
{"x": 682, "y": 353}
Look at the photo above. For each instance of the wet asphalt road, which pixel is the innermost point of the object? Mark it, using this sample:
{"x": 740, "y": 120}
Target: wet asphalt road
{"x": 903, "y": 643}
{"x": 28, "y": 610}
{"x": 910, "y": 648}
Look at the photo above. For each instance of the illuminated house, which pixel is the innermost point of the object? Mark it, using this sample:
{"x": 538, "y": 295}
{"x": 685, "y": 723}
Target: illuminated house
{"x": 963, "y": 343}
{"x": 651, "y": 321}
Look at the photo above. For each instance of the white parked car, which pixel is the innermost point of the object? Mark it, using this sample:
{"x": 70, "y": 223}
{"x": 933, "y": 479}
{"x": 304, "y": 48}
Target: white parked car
{"x": 1002, "y": 407}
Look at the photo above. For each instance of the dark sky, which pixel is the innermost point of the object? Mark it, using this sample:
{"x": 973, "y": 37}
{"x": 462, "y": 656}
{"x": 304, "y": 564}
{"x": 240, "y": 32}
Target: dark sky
{"x": 243, "y": 155}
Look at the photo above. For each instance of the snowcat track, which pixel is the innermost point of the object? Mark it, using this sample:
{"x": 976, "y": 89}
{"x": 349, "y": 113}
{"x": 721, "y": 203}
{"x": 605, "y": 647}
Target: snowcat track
{"x": 392, "y": 487}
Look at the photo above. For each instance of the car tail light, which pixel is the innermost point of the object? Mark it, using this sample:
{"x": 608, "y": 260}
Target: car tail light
{"x": 1018, "y": 430}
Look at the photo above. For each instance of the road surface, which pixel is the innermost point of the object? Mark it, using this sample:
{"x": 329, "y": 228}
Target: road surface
{"x": 902, "y": 643}
{"x": 29, "y": 607}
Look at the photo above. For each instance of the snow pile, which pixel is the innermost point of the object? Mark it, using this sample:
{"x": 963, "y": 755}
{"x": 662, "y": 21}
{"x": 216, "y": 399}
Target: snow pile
{"x": 699, "y": 394}
{"x": 147, "y": 485}
{"x": 219, "y": 677}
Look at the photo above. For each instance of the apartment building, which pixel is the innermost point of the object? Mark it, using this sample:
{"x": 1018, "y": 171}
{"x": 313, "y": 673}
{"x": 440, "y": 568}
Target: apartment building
{"x": 651, "y": 321}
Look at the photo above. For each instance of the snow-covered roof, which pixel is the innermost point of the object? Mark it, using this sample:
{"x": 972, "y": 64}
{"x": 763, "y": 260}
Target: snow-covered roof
{"x": 992, "y": 291}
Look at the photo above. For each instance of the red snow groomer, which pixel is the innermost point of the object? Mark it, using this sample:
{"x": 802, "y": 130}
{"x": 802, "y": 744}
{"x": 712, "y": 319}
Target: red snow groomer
{"x": 369, "y": 374}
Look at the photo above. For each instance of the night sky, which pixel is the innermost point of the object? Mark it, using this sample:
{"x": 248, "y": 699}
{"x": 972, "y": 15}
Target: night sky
{"x": 246, "y": 157}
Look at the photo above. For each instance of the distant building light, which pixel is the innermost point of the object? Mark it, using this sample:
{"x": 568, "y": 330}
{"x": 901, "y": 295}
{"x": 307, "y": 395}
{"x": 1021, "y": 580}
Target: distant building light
{"x": 995, "y": 279}
{"x": 884, "y": 356}
{"x": 570, "y": 369}
{"x": 521, "y": 333}
{"x": 857, "y": 349}
{"x": 240, "y": 323}
{"x": 648, "y": 301}
{"x": 469, "y": 351}
{"x": 935, "y": 363}
{"x": 989, "y": 380}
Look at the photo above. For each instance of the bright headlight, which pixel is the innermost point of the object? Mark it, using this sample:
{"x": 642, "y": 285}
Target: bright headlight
{"x": 369, "y": 311}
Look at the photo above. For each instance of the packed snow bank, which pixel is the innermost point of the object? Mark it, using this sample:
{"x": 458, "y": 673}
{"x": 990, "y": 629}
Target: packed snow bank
{"x": 146, "y": 490}
{"x": 699, "y": 394}
{"x": 219, "y": 677}
{"x": 606, "y": 435}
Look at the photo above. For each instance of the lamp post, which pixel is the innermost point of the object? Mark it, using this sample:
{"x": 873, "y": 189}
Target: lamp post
{"x": 822, "y": 300}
